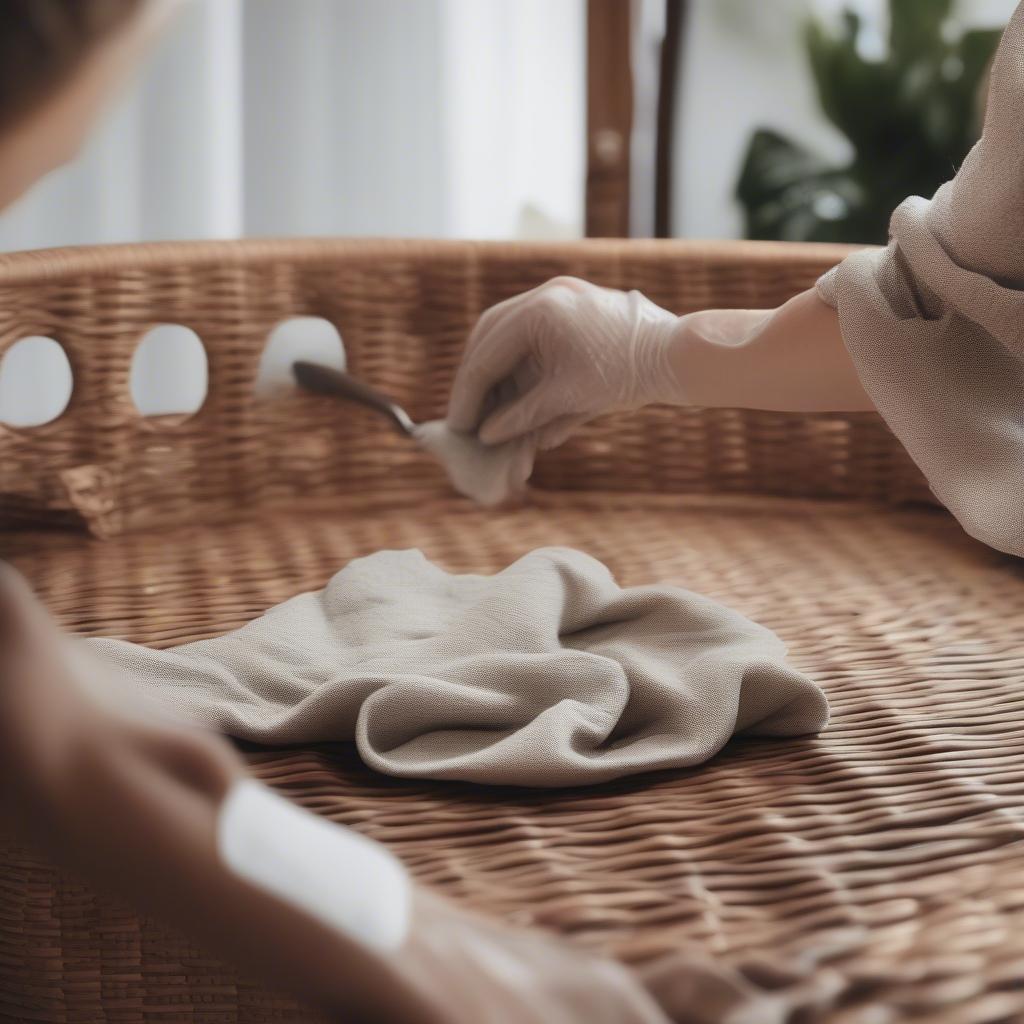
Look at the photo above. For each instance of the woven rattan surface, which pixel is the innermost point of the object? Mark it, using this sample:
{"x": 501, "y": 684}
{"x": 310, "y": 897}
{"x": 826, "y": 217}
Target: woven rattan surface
{"x": 872, "y": 875}
{"x": 891, "y": 846}
{"x": 404, "y": 310}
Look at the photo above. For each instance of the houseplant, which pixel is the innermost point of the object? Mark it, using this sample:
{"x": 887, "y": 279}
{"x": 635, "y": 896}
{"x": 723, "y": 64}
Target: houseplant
{"x": 910, "y": 117}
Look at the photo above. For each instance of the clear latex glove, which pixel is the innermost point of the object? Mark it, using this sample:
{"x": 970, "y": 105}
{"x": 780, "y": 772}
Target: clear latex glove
{"x": 545, "y": 362}
{"x": 466, "y": 969}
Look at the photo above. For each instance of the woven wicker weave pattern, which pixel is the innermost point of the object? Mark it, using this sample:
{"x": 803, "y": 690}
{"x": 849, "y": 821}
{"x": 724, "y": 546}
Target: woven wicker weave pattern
{"x": 404, "y": 310}
{"x": 875, "y": 874}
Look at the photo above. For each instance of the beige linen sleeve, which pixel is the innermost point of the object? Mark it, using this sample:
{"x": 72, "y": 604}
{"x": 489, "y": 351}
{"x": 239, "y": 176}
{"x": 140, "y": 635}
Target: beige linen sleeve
{"x": 935, "y": 321}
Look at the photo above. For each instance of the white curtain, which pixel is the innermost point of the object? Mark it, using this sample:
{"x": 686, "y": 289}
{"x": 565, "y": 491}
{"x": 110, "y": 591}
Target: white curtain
{"x": 351, "y": 117}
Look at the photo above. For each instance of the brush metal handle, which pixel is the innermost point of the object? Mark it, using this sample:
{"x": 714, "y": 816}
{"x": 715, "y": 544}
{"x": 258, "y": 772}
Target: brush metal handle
{"x": 325, "y": 380}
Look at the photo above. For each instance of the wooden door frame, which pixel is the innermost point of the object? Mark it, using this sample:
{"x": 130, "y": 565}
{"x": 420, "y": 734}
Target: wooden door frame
{"x": 609, "y": 116}
{"x": 610, "y": 103}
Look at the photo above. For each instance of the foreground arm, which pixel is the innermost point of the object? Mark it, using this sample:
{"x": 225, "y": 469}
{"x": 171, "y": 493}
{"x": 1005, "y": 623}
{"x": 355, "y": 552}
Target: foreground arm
{"x": 547, "y": 361}
{"x": 137, "y": 805}
{"x": 787, "y": 359}
{"x": 933, "y": 324}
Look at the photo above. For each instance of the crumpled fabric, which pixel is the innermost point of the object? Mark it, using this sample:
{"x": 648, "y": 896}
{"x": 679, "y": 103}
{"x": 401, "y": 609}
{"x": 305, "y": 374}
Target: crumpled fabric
{"x": 935, "y": 322}
{"x": 545, "y": 674}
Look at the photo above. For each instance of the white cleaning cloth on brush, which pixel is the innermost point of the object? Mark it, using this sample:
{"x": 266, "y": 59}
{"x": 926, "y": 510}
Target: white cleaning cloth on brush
{"x": 488, "y": 474}
{"x": 545, "y": 674}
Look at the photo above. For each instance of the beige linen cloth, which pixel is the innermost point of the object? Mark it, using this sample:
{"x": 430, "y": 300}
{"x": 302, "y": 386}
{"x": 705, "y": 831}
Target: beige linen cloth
{"x": 545, "y": 674}
{"x": 935, "y": 322}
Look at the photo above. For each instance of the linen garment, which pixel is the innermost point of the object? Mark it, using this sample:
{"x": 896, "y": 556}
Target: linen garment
{"x": 545, "y": 674}
{"x": 935, "y": 322}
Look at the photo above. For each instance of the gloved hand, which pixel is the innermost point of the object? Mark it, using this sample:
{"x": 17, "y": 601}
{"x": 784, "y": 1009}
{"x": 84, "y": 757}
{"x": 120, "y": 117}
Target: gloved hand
{"x": 547, "y": 361}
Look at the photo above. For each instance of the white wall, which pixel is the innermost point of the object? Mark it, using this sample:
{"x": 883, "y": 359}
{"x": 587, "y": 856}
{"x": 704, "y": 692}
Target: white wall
{"x": 514, "y": 88}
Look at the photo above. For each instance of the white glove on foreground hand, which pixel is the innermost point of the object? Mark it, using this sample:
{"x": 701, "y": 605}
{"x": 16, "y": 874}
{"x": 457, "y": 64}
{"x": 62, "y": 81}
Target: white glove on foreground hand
{"x": 547, "y": 361}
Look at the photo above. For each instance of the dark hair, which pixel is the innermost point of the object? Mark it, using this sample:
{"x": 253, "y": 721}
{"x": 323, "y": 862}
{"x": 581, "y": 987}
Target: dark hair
{"x": 42, "y": 43}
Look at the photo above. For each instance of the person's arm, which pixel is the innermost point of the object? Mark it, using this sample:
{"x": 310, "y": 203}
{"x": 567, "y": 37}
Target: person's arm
{"x": 544, "y": 362}
{"x": 137, "y": 805}
{"x": 131, "y": 804}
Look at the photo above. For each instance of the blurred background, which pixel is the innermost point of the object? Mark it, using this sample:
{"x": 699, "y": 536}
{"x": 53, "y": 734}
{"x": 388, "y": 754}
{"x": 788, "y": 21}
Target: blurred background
{"x": 529, "y": 119}
{"x": 517, "y": 119}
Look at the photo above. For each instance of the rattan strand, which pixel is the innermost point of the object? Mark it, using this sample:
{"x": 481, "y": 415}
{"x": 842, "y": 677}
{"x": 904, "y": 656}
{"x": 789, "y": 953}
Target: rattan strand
{"x": 875, "y": 874}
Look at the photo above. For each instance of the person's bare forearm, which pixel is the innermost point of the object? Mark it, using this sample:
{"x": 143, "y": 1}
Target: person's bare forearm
{"x": 540, "y": 365}
{"x": 788, "y": 359}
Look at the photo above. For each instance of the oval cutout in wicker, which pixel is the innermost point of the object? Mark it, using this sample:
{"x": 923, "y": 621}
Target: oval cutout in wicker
{"x": 170, "y": 373}
{"x": 36, "y": 382}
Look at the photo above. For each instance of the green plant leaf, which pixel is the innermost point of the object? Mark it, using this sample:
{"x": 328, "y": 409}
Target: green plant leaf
{"x": 916, "y": 28}
{"x": 773, "y": 163}
{"x": 789, "y": 193}
{"x": 975, "y": 52}
{"x": 856, "y": 95}
{"x": 910, "y": 118}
